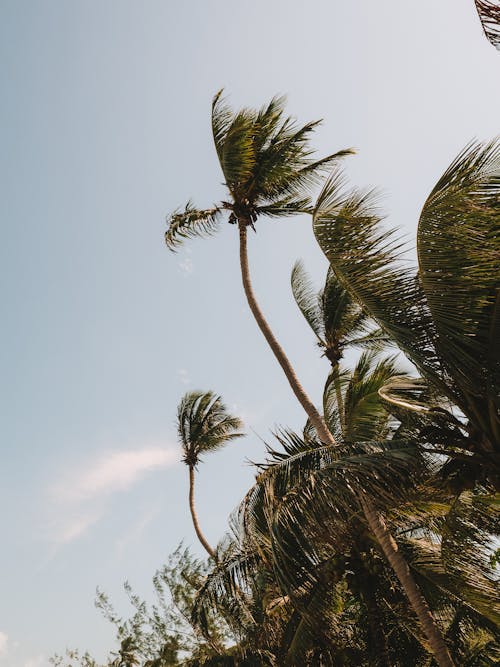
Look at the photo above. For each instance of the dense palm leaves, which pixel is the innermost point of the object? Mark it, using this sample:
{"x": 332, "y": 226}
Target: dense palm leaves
{"x": 446, "y": 316}
{"x": 268, "y": 169}
{"x": 204, "y": 425}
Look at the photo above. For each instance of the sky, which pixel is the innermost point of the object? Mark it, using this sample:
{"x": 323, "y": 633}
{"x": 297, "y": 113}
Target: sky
{"x": 105, "y": 129}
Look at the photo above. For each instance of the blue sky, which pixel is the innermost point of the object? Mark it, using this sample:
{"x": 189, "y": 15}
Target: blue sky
{"x": 105, "y": 129}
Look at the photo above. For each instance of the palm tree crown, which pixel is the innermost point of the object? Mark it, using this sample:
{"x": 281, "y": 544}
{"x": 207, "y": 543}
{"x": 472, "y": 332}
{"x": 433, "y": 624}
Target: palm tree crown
{"x": 267, "y": 165}
{"x": 204, "y": 425}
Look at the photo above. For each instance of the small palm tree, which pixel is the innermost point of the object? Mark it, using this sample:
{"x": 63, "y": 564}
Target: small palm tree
{"x": 204, "y": 425}
{"x": 338, "y": 322}
{"x": 269, "y": 171}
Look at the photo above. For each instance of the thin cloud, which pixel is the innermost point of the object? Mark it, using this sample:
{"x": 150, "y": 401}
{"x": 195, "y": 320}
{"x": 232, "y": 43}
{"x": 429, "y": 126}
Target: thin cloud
{"x": 72, "y": 529}
{"x": 37, "y": 661}
{"x": 137, "y": 530}
{"x": 4, "y": 641}
{"x": 80, "y": 498}
{"x": 186, "y": 266}
{"x": 184, "y": 377}
{"x": 115, "y": 471}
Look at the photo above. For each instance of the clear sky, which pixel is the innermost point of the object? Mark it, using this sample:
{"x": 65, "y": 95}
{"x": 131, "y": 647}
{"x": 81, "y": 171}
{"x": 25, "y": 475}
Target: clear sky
{"x": 104, "y": 121}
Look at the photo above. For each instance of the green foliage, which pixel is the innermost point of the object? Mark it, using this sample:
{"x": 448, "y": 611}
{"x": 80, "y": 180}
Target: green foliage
{"x": 445, "y": 316}
{"x": 204, "y": 425}
{"x": 300, "y": 581}
{"x": 160, "y": 634}
{"x": 268, "y": 169}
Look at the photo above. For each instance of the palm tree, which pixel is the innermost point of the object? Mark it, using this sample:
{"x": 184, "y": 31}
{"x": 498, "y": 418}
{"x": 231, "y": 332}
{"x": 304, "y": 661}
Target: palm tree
{"x": 268, "y": 170}
{"x": 338, "y": 321}
{"x": 204, "y": 425}
{"x": 489, "y": 13}
{"x": 446, "y": 316}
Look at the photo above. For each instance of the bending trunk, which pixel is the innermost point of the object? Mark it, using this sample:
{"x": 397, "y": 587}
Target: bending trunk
{"x": 315, "y": 417}
{"x": 194, "y": 516}
{"x": 374, "y": 520}
{"x": 399, "y": 565}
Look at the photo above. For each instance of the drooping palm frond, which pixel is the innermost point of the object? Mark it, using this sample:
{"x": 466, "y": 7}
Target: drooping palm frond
{"x": 467, "y": 537}
{"x": 336, "y": 319}
{"x": 191, "y": 223}
{"x": 446, "y": 318}
{"x": 459, "y": 261}
{"x": 365, "y": 416}
{"x": 306, "y": 298}
{"x": 366, "y": 259}
{"x": 204, "y": 425}
{"x": 265, "y": 157}
{"x": 489, "y": 13}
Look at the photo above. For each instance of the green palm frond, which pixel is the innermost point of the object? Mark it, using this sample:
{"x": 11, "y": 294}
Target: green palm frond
{"x": 288, "y": 205}
{"x": 337, "y": 321}
{"x": 459, "y": 260}
{"x": 489, "y": 13}
{"x": 306, "y": 298}
{"x": 204, "y": 425}
{"x": 365, "y": 417}
{"x": 333, "y": 400}
{"x": 466, "y": 545}
{"x": 367, "y": 260}
{"x": 265, "y": 156}
{"x": 222, "y": 117}
{"x": 191, "y": 223}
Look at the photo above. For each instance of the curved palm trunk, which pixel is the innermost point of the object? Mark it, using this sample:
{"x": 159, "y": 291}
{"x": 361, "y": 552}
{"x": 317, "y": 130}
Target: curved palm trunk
{"x": 316, "y": 419}
{"x": 396, "y": 560}
{"x": 375, "y": 521}
{"x": 194, "y": 516}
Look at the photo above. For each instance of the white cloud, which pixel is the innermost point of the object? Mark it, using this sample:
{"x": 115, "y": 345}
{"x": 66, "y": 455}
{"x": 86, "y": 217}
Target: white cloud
{"x": 37, "y": 661}
{"x": 186, "y": 266}
{"x": 4, "y": 639}
{"x": 184, "y": 376}
{"x": 79, "y": 498}
{"x": 137, "y": 530}
{"x": 73, "y": 528}
{"x": 115, "y": 471}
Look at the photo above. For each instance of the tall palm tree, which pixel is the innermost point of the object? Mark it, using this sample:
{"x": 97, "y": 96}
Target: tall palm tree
{"x": 267, "y": 165}
{"x": 269, "y": 171}
{"x": 204, "y": 425}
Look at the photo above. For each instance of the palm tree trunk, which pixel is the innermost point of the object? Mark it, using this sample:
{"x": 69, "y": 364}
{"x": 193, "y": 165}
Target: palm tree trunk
{"x": 194, "y": 516}
{"x": 316, "y": 419}
{"x": 390, "y": 550}
{"x": 375, "y": 521}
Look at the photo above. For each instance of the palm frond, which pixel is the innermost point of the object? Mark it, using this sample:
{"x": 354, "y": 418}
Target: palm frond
{"x": 365, "y": 417}
{"x": 190, "y": 223}
{"x": 266, "y": 158}
{"x": 459, "y": 259}
{"x": 306, "y": 298}
{"x": 489, "y": 13}
{"x": 204, "y": 425}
